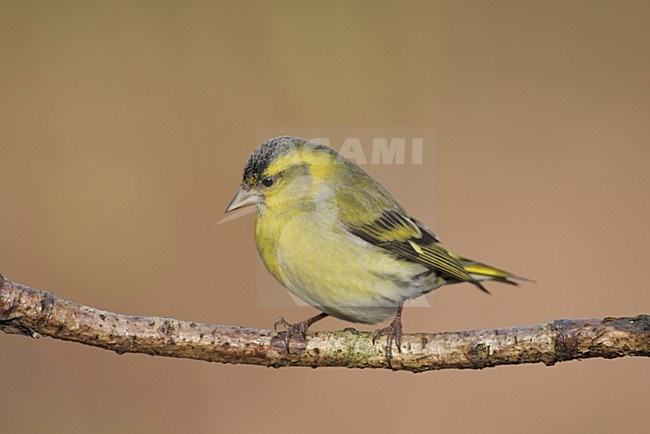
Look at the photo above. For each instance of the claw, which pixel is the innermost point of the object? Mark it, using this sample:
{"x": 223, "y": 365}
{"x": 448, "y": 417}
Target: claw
{"x": 280, "y": 322}
{"x": 376, "y": 335}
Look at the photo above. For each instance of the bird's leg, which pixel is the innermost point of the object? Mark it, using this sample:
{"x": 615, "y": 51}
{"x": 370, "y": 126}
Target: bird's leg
{"x": 393, "y": 333}
{"x": 299, "y": 328}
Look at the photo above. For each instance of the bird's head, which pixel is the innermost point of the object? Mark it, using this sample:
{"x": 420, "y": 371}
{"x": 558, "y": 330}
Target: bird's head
{"x": 285, "y": 172}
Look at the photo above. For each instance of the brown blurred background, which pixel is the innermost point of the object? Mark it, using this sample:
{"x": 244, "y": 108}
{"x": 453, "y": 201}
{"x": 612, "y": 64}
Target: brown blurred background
{"x": 124, "y": 127}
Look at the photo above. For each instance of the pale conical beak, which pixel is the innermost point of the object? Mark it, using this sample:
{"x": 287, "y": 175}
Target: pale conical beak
{"x": 244, "y": 197}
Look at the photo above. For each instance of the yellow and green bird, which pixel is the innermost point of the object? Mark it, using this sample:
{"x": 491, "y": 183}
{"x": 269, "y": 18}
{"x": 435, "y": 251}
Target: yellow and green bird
{"x": 335, "y": 238}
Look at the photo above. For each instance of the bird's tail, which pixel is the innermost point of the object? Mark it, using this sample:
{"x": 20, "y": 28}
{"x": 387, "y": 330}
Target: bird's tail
{"x": 480, "y": 272}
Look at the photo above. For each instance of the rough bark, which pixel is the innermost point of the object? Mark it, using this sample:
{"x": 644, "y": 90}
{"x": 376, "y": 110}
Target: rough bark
{"x": 32, "y": 312}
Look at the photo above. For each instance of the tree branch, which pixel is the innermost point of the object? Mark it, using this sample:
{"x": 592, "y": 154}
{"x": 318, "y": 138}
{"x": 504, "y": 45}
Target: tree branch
{"x": 35, "y": 313}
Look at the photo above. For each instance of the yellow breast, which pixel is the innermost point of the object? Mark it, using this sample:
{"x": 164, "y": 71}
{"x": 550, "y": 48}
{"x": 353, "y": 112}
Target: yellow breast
{"x": 318, "y": 260}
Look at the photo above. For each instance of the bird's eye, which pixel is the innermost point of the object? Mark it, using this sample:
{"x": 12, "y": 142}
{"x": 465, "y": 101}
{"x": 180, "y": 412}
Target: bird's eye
{"x": 268, "y": 181}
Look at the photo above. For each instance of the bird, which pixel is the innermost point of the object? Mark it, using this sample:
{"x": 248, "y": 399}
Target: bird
{"x": 338, "y": 240}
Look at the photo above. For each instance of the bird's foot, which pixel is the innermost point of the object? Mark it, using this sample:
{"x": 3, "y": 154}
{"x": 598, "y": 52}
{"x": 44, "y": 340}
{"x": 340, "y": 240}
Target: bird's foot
{"x": 393, "y": 334}
{"x": 298, "y": 330}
